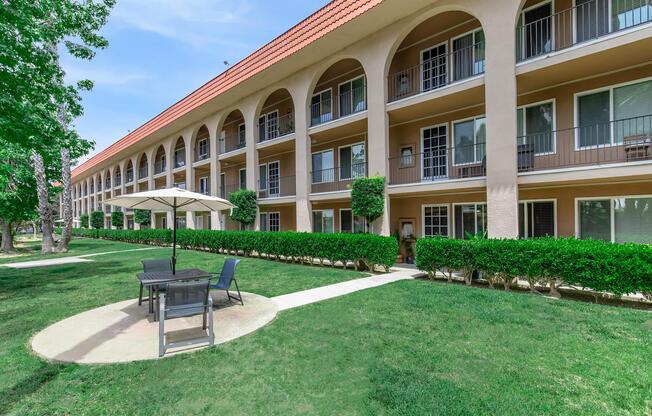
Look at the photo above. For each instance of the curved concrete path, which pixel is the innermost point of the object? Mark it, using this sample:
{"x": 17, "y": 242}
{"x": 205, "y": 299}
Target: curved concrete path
{"x": 123, "y": 331}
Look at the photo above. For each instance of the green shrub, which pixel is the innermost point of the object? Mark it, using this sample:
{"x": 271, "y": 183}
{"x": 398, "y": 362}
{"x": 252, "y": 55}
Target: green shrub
{"x": 143, "y": 217}
{"x": 117, "y": 219}
{"x": 596, "y": 265}
{"x": 368, "y": 249}
{"x": 245, "y": 206}
{"x": 83, "y": 219}
{"x": 368, "y": 198}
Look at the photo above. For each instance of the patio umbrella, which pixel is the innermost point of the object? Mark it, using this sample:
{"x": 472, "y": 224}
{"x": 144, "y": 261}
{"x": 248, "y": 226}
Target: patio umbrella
{"x": 171, "y": 199}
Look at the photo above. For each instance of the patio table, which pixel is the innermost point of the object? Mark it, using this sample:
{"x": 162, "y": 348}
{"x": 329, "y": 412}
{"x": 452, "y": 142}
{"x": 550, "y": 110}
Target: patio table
{"x": 152, "y": 281}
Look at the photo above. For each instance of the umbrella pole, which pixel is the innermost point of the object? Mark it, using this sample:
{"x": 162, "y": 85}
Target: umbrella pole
{"x": 174, "y": 238}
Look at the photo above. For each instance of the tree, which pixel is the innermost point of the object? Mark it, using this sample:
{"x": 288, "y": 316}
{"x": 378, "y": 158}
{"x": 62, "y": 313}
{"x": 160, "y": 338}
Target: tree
{"x": 368, "y": 198}
{"x": 117, "y": 219}
{"x": 97, "y": 220}
{"x": 143, "y": 217}
{"x": 37, "y": 106}
{"x": 17, "y": 191}
{"x": 83, "y": 219}
{"x": 245, "y": 206}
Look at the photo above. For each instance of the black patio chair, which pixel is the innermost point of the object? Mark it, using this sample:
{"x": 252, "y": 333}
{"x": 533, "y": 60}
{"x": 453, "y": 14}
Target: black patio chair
{"x": 184, "y": 299}
{"x": 226, "y": 276}
{"x": 154, "y": 265}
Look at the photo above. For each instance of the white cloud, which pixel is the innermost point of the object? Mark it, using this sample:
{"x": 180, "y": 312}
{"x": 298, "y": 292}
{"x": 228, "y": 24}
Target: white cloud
{"x": 103, "y": 76}
{"x": 195, "y": 22}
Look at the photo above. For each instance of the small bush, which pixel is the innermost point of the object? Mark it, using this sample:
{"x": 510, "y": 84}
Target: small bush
{"x": 245, "y": 206}
{"x": 597, "y": 265}
{"x": 143, "y": 217}
{"x": 83, "y": 219}
{"x": 117, "y": 219}
{"x": 368, "y": 249}
{"x": 97, "y": 220}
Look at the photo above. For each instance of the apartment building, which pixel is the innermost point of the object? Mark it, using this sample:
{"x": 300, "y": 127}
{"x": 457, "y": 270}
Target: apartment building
{"x": 507, "y": 117}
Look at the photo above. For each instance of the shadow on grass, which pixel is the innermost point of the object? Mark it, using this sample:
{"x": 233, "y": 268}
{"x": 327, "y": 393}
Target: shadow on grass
{"x": 30, "y": 385}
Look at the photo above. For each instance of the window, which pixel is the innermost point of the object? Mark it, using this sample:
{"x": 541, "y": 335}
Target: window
{"x": 628, "y": 13}
{"x": 117, "y": 178}
{"x": 620, "y": 220}
{"x": 470, "y": 137}
{"x": 435, "y": 220}
{"x": 468, "y": 55}
{"x": 321, "y": 107}
{"x": 181, "y": 222}
{"x": 535, "y": 126}
{"x": 352, "y": 224}
{"x": 162, "y": 164}
{"x": 242, "y": 176}
{"x": 435, "y": 161}
{"x": 270, "y": 221}
{"x": 199, "y": 222}
{"x": 202, "y": 149}
{"x": 204, "y": 185}
{"x": 614, "y": 115}
{"x": 323, "y": 221}
{"x": 242, "y": 137}
{"x": 434, "y": 67}
{"x": 180, "y": 185}
{"x": 534, "y": 36}
{"x": 352, "y": 161}
{"x": 269, "y": 179}
{"x": 222, "y": 187}
{"x": 130, "y": 174}
{"x": 591, "y": 19}
{"x": 179, "y": 157}
{"x": 268, "y": 126}
{"x": 470, "y": 220}
{"x": 352, "y": 96}
{"x": 164, "y": 222}
{"x": 407, "y": 156}
{"x": 322, "y": 167}
{"x": 536, "y": 219}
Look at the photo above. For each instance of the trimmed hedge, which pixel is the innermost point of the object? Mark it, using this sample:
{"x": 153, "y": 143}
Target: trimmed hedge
{"x": 368, "y": 249}
{"x": 601, "y": 266}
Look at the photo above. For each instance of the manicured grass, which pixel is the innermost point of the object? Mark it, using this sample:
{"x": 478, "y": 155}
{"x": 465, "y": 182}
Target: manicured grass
{"x": 409, "y": 348}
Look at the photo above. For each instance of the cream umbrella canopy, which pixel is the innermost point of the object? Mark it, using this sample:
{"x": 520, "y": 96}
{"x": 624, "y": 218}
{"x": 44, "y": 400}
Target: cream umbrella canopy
{"x": 171, "y": 199}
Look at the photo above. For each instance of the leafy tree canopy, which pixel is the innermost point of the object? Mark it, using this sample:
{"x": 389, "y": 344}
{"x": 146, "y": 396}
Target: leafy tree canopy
{"x": 245, "y": 206}
{"x": 368, "y": 198}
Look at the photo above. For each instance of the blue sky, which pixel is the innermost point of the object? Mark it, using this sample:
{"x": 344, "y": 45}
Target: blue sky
{"x": 160, "y": 50}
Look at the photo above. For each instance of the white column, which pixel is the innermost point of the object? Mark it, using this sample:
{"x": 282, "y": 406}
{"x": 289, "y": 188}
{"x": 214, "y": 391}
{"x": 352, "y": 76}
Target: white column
{"x": 214, "y": 169}
{"x": 500, "y": 97}
{"x": 190, "y": 174}
{"x": 249, "y": 114}
{"x": 303, "y": 158}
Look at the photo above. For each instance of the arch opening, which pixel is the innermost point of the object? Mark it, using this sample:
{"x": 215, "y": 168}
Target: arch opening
{"x": 160, "y": 161}
{"x": 341, "y": 91}
{"x": 446, "y": 48}
{"x": 202, "y": 148}
{"x": 233, "y": 134}
{"x": 276, "y": 116}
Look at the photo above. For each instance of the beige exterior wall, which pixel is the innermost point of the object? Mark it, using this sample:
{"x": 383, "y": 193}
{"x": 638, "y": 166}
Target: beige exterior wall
{"x": 392, "y": 42}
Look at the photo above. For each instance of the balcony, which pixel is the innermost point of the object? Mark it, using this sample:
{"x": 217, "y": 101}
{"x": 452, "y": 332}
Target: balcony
{"x": 227, "y": 190}
{"x": 437, "y": 72}
{"x": 348, "y": 103}
{"x": 620, "y": 141}
{"x": 274, "y": 127}
{"x": 585, "y": 22}
{"x": 438, "y": 164}
{"x": 278, "y": 187}
{"x": 338, "y": 178}
{"x": 232, "y": 142}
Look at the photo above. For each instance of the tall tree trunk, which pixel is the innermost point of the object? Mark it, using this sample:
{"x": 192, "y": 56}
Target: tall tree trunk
{"x": 67, "y": 201}
{"x": 7, "y": 239}
{"x": 44, "y": 208}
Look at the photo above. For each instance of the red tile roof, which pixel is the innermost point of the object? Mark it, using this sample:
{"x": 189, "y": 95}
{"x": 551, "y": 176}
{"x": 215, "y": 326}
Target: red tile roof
{"x": 325, "y": 20}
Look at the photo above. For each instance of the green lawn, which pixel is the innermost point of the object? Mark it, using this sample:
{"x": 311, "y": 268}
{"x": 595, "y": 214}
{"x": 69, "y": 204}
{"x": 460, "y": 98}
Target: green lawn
{"x": 409, "y": 348}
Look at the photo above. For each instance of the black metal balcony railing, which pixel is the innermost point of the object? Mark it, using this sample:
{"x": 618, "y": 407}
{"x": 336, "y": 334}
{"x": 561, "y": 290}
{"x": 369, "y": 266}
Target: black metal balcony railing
{"x": 587, "y": 21}
{"x": 142, "y": 173}
{"x": 273, "y": 128}
{"x": 437, "y": 72}
{"x": 439, "y": 164}
{"x": 337, "y": 179}
{"x": 232, "y": 142}
{"x": 619, "y": 141}
{"x": 277, "y": 187}
{"x": 348, "y": 103}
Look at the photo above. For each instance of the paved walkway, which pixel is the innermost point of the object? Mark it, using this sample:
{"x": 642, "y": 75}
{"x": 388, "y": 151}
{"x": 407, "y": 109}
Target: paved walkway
{"x": 318, "y": 294}
{"x": 67, "y": 260}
